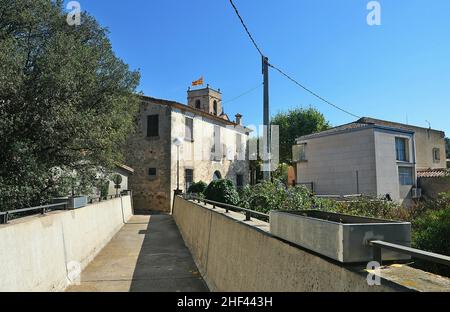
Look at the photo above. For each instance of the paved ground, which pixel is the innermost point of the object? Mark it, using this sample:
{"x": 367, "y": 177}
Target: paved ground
{"x": 148, "y": 254}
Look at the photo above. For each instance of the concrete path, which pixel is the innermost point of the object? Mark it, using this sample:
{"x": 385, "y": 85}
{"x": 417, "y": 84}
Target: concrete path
{"x": 147, "y": 255}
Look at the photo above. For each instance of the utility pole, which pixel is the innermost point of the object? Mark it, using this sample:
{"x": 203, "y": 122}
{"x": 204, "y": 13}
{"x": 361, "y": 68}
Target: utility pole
{"x": 267, "y": 132}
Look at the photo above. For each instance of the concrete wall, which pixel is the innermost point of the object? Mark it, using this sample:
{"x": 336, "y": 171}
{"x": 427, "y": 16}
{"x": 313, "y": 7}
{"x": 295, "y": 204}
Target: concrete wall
{"x": 387, "y": 165}
{"x": 36, "y": 250}
{"x": 239, "y": 257}
{"x": 332, "y": 163}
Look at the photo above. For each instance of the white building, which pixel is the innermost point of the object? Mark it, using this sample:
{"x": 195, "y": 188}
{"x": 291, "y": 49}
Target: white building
{"x": 371, "y": 157}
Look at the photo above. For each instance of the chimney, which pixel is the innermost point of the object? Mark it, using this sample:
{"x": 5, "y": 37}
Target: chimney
{"x": 239, "y": 119}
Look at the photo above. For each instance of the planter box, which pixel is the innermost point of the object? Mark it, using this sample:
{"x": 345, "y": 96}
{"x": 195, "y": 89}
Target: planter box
{"x": 73, "y": 202}
{"x": 340, "y": 237}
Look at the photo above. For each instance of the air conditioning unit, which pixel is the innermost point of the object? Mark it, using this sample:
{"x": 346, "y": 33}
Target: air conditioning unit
{"x": 416, "y": 193}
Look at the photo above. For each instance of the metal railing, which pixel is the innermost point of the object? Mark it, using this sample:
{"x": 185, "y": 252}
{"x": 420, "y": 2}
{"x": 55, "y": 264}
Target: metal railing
{"x": 4, "y": 216}
{"x": 248, "y": 213}
{"x": 378, "y": 247}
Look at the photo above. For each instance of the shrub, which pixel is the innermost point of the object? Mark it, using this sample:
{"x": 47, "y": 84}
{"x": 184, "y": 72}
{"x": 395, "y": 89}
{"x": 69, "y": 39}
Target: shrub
{"x": 431, "y": 232}
{"x": 267, "y": 196}
{"x": 222, "y": 191}
{"x": 198, "y": 188}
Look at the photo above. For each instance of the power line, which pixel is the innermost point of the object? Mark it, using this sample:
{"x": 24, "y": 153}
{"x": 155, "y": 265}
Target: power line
{"x": 246, "y": 29}
{"x": 243, "y": 94}
{"x": 312, "y": 92}
{"x": 283, "y": 73}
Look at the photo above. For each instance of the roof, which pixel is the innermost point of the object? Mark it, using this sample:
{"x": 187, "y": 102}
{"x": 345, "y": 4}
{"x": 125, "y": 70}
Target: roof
{"x": 125, "y": 167}
{"x": 433, "y": 173}
{"x": 364, "y": 122}
{"x": 184, "y": 107}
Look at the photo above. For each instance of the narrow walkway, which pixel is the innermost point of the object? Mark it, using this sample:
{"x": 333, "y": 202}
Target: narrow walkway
{"x": 147, "y": 255}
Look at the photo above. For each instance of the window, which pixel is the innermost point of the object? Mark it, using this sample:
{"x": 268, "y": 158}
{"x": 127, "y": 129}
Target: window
{"x": 239, "y": 147}
{"x": 188, "y": 178}
{"x": 216, "y": 149}
{"x": 189, "y": 129}
{"x": 436, "y": 155}
{"x": 401, "y": 148}
{"x": 152, "y": 172}
{"x": 217, "y": 176}
{"x": 299, "y": 153}
{"x": 239, "y": 180}
{"x": 215, "y": 108}
{"x": 153, "y": 126}
{"x": 198, "y": 104}
{"x": 405, "y": 175}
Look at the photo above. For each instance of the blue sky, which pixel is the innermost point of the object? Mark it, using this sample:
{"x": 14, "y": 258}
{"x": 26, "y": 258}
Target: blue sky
{"x": 397, "y": 71}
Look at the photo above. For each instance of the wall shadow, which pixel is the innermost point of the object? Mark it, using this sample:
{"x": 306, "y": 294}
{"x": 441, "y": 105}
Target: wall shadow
{"x": 164, "y": 263}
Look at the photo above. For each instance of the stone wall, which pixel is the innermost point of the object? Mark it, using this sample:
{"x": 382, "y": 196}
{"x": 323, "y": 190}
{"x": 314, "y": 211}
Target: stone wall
{"x": 156, "y": 193}
{"x": 432, "y": 187}
{"x": 143, "y": 153}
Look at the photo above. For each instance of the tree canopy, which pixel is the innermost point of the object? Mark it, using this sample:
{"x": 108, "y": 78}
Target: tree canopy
{"x": 67, "y": 103}
{"x": 295, "y": 123}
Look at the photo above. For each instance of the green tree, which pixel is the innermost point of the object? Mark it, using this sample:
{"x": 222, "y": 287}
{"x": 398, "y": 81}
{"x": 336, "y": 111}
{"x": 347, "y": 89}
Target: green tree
{"x": 295, "y": 123}
{"x": 67, "y": 103}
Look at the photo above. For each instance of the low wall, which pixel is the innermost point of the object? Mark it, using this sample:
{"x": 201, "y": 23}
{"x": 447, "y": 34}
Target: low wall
{"x": 432, "y": 187}
{"x": 238, "y": 256}
{"x": 36, "y": 250}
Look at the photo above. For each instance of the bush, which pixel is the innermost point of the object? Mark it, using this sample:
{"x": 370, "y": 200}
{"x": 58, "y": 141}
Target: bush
{"x": 222, "y": 191}
{"x": 431, "y": 232}
{"x": 267, "y": 196}
{"x": 197, "y": 188}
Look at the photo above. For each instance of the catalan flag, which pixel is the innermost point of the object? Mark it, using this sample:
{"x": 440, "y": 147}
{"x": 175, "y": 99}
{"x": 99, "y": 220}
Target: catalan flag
{"x": 198, "y": 82}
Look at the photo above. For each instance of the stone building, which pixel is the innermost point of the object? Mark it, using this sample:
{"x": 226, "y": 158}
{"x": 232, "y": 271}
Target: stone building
{"x": 213, "y": 147}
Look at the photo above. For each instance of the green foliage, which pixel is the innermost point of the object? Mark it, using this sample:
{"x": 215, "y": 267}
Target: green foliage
{"x": 198, "y": 188}
{"x": 222, "y": 191}
{"x": 267, "y": 196}
{"x": 67, "y": 103}
{"x": 296, "y": 123}
{"x": 117, "y": 179}
{"x": 281, "y": 173}
{"x": 432, "y": 233}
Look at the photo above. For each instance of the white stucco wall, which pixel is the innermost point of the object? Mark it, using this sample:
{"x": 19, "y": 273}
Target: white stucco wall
{"x": 197, "y": 155}
{"x": 332, "y": 163}
{"x": 36, "y": 250}
{"x": 387, "y": 165}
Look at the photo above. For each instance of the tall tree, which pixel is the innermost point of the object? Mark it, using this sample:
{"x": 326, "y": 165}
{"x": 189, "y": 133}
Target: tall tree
{"x": 295, "y": 123}
{"x": 66, "y": 101}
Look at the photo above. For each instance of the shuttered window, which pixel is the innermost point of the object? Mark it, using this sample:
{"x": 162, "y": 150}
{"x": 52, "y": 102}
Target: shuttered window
{"x": 189, "y": 129}
{"x": 153, "y": 126}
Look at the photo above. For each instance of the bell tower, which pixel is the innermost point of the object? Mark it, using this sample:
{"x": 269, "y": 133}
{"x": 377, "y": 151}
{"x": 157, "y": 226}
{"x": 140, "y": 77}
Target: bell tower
{"x": 207, "y": 100}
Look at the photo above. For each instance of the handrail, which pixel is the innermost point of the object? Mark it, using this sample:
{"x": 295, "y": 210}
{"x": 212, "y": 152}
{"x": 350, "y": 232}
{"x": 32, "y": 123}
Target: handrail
{"x": 4, "y": 215}
{"x": 227, "y": 207}
{"x": 43, "y": 209}
{"x": 378, "y": 246}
